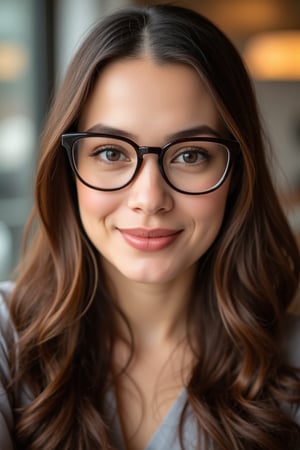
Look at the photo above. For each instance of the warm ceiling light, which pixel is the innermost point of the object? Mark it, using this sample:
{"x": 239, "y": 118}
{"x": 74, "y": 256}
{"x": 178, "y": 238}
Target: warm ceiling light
{"x": 13, "y": 61}
{"x": 244, "y": 16}
{"x": 274, "y": 55}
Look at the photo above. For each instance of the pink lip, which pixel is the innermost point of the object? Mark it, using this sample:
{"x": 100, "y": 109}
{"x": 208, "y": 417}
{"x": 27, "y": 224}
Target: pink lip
{"x": 149, "y": 240}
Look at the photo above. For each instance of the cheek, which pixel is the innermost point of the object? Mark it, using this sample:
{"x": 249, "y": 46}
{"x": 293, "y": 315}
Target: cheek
{"x": 206, "y": 218}
{"x": 93, "y": 205}
{"x": 209, "y": 207}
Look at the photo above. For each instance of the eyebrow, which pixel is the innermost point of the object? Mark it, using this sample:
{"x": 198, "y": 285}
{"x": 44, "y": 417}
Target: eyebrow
{"x": 203, "y": 130}
{"x": 99, "y": 128}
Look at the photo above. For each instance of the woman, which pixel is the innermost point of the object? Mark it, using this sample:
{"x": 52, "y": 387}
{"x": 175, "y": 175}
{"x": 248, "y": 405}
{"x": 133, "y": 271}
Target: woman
{"x": 150, "y": 308}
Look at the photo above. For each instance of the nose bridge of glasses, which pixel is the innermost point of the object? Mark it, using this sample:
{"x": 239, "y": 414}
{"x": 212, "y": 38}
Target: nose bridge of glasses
{"x": 145, "y": 150}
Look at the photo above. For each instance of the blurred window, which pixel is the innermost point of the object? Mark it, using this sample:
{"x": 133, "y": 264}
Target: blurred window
{"x": 21, "y": 83}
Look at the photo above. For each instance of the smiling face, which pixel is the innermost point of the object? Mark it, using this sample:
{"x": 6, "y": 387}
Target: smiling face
{"x": 147, "y": 232}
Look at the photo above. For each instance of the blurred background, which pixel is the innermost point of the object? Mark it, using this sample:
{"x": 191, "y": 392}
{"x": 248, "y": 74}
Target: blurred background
{"x": 38, "y": 39}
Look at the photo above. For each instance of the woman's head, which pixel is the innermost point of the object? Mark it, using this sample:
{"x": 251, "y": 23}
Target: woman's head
{"x": 164, "y": 35}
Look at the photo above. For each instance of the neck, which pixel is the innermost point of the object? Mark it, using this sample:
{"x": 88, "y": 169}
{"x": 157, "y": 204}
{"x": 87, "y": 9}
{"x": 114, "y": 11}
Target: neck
{"x": 157, "y": 314}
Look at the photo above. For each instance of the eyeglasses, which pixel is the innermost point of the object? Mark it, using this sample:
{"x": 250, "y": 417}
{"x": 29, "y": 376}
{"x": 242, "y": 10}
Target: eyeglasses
{"x": 196, "y": 165}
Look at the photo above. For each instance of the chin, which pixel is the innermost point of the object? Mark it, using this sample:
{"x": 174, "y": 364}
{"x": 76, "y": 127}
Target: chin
{"x": 145, "y": 273}
{"x": 149, "y": 278}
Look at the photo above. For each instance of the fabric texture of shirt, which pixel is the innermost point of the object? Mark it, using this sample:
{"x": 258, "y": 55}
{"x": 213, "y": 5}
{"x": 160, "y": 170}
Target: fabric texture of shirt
{"x": 165, "y": 437}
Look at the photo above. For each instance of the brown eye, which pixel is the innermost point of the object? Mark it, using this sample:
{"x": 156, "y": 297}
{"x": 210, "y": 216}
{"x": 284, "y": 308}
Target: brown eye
{"x": 112, "y": 155}
{"x": 191, "y": 157}
{"x": 109, "y": 154}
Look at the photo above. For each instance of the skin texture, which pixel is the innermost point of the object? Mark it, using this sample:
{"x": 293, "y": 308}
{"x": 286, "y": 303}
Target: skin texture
{"x": 151, "y": 281}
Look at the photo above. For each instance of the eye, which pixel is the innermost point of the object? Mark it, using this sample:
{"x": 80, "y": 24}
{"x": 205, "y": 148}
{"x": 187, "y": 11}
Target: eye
{"x": 110, "y": 154}
{"x": 191, "y": 156}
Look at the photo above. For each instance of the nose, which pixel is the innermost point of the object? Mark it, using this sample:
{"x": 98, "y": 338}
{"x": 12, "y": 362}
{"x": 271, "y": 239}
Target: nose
{"x": 149, "y": 193}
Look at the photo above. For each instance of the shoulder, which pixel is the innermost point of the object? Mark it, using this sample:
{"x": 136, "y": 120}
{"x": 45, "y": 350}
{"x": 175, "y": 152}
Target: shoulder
{"x": 8, "y": 336}
{"x": 291, "y": 339}
{"x": 6, "y": 289}
{"x": 290, "y": 347}
{"x": 6, "y": 331}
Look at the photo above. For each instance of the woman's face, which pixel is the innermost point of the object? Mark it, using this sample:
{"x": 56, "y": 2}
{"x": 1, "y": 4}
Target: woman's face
{"x": 147, "y": 232}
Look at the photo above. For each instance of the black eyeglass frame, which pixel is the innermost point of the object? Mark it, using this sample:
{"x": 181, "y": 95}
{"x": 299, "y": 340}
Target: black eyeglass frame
{"x": 69, "y": 139}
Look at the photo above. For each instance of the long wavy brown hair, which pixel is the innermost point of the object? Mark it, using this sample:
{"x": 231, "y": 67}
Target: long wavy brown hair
{"x": 64, "y": 316}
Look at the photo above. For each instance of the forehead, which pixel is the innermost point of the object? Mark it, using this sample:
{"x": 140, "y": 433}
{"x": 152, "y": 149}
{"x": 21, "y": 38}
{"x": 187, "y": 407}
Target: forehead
{"x": 134, "y": 93}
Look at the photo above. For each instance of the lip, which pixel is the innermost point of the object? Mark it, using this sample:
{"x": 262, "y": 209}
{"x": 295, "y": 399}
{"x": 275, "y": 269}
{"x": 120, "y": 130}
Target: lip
{"x": 149, "y": 239}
